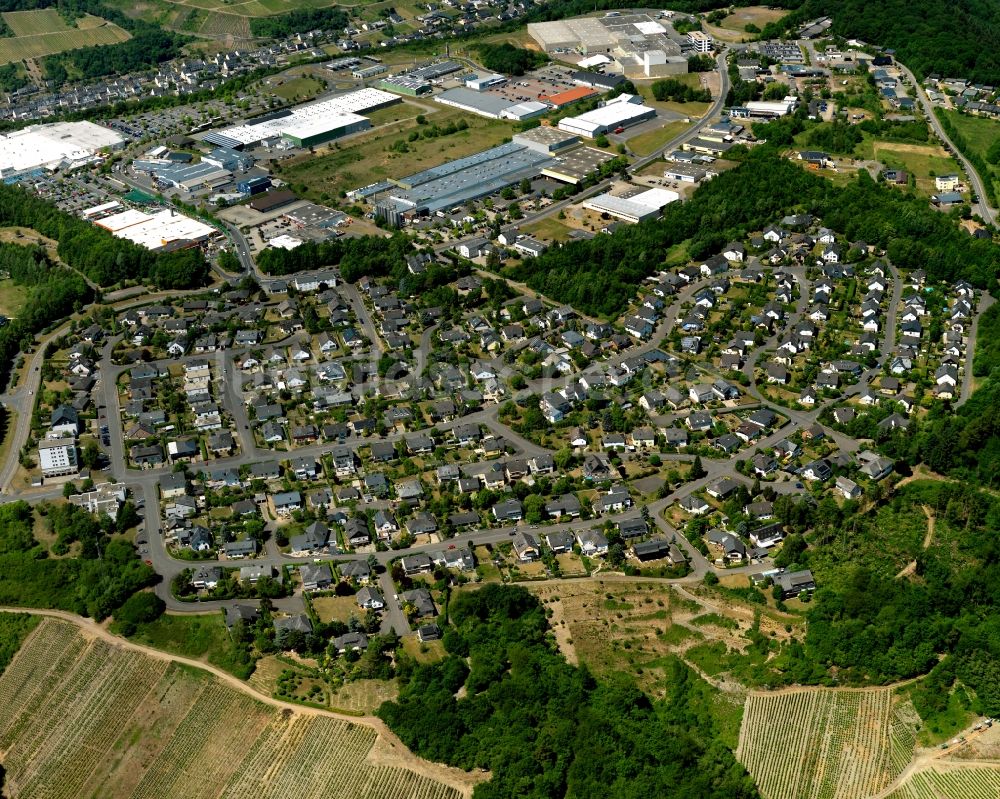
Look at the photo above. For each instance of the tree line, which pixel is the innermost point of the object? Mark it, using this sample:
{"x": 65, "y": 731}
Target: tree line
{"x": 374, "y": 256}
{"x": 95, "y": 252}
{"x": 544, "y": 728}
{"x": 301, "y": 20}
{"x": 508, "y": 59}
{"x": 673, "y": 89}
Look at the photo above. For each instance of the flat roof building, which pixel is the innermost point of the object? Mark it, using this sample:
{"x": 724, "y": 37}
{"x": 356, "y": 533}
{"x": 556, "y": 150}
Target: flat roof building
{"x": 559, "y": 99}
{"x": 308, "y": 124}
{"x": 57, "y": 456}
{"x": 269, "y": 200}
{"x": 480, "y": 83}
{"x": 165, "y": 229}
{"x": 405, "y": 84}
{"x": 60, "y": 145}
{"x": 574, "y": 166}
{"x": 637, "y": 208}
{"x": 597, "y": 80}
{"x": 621, "y": 112}
{"x": 522, "y": 111}
{"x": 546, "y": 139}
{"x": 685, "y": 173}
{"x": 485, "y": 105}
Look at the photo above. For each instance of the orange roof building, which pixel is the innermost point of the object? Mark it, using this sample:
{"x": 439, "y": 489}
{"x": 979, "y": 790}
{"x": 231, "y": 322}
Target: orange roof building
{"x": 570, "y": 96}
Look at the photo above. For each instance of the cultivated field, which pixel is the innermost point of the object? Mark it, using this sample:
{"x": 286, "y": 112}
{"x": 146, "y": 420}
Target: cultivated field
{"x": 86, "y": 717}
{"x": 45, "y": 32}
{"x": 951, "y": 782}
{"x": 835, "y": 744}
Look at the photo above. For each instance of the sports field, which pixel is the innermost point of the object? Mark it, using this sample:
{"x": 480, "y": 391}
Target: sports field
{"x": 85, "y": 716}
{"x": 45, "y": 32}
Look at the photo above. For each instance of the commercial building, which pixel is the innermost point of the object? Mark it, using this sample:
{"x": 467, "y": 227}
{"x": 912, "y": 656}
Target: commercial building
{"x": 61, "y": 145}
{"x": 701, "y": 41}
{"x": 574, "y": 166}
{"x": 228, "y": 158}
{"x": 637, "y": 208}
{"x": 165, "y": 229}
{"x": 187, "y": 177}
{"x": 307, "y": 125}
{"x": 57, "y": 456}
{"x": 561, "y": 99}
{"x": 254, "y": 186}
{"x": 685, "y": 173}
{"x": 485, "y": 105}
{"x": 275, "y": 198}
{"x": 586, "y": 35}
{"x": 622, "y": 112}
{"x": 546, "y": 140}
{"x": 456, "y": 182}
{"x": 434, "y": 72}
{"x": 405, "y": 84}
{"x": 480, "y": 83}
{"x": 765, "y": 109}
{"x": 315, "y": 216}
{"x": 597, "y": 80}
{"x": 522, "y": 111}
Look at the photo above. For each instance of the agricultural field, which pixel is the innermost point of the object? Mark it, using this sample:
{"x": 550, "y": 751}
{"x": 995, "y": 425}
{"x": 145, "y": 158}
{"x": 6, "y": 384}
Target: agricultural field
{"x": 368, "y": 158}
{"x": 836, "y": 744}
{"x": 87, "y": 717}
{"x": 950, "y": 782}
{"x": 45, "y": 32}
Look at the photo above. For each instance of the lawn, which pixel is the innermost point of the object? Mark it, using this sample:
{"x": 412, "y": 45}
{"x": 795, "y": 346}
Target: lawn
{"x": 423, "y": 651}
{"x": 11, "y": 298}
{"x": 920, "y": 160}
{"x": 336, "y": 608}
{"x": 751, "y": 15}
{"x": 547, "y": 230}
{"x": 979, "y": 133}
{"x": 646, "y": 143}
{"x": 201, "y": 637}
{"x": 296, "y": 89}
{"x": 369, "y": 159}
{"x": 687, "y": 109}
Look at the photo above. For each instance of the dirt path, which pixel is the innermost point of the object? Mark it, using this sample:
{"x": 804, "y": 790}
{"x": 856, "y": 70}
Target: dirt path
{"x": 562, "y": 633}
{"x": 911, "y": 567}
{"x": 388, "y": 749}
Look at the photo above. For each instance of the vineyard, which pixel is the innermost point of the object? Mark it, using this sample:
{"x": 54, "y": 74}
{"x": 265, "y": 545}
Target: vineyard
{"x": 44, "y": 32}
{"x": 824, "y": 744}
{"x": 85, "y": 717}
{"x": 973, "y": 782}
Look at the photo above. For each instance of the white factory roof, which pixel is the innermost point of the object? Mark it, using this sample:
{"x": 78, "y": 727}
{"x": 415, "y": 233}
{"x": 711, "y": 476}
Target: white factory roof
{"x": 650, "y": 28}
{"x": 125, "y": 219}
{"x": 100, "y": 209}
{"x": 312, "y": 127}
{"x": 284, "y": 242}
{"x": 772, "y": 106}
{"x": 609, "y": 116}
{"x": 639, "y": 206}
{"x": 49, "y": 146}
{"x": 153, "y": 231}
{"x": 313, "y": 118}
{"x": 594, "y": 61}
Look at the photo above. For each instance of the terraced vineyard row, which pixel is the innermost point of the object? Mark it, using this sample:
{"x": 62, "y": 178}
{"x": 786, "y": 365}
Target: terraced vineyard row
{"x": 85, "y": 717}
{"x": 951, "y": 783}
{"x": 823, "y": 744}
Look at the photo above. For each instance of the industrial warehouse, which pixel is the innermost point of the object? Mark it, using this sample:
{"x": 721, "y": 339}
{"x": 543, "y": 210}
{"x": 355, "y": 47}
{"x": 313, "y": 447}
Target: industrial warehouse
{"x": 615, "y": 115}
{"x": 635, "y": 208}
{"x": 161, "y": 230}
{"x": 308, "y": 125}
{"x": 635, "y": 45}
{"x": 61, "y": 145}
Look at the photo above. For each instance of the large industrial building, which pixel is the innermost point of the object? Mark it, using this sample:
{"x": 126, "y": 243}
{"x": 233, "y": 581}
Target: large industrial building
{"x": 165, "y": 229}
{"x": 486, "y": 105}
{"x": 637, "y": 208}
{"x": 765, "y": 109}
{"x": 307, "y": 125}
{"x": 546, "y": 140}
{"x": 638, "y": 45}
{"x": 187, "y": 177}
{"x": 456, "y": 182}
{"x": 621, "y": 112}
{"x": 61, "y": 145}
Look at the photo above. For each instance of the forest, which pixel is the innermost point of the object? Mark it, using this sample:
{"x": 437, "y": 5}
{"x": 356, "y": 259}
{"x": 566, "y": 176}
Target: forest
{"x": 599, "y": 276}
{"x": 103, "y": 573}
{"x": 356, "y": 257}
{"x": 544, "y": 728}
{"x": 301, "y": 20}
{"x": 673, "y": 89}
{"x": 53, "y": 293}
{"x": 96, "y": 253}
{"x": 508, "y": 59}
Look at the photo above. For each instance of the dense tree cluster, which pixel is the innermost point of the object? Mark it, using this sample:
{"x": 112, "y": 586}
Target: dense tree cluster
{"x": 544, "y": 728}
{"x": 95, "y": 252}
{"x": 356, "y": 257}
{"x": 931, "y": 36}
{"x": 299, "y": 21}
{"x": 148, "y": 47}
{"x": 54, "y": 292}
{"x": 599, "y": 276}
{"x": 508, "y": 59}
{"x": 673, "y": 89}
{"x": 101, "y": 576}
